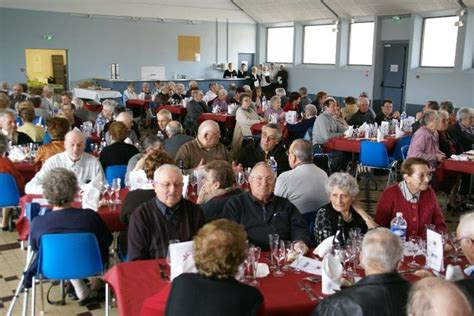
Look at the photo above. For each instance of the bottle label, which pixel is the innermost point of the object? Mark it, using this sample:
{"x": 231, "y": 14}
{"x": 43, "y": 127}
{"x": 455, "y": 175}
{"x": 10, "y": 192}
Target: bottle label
{"x": 400, "y": 232}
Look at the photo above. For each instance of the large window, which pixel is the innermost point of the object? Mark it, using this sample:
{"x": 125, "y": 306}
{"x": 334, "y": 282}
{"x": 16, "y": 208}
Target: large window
{"x": 361, "y": 42}
{"x": 319, "y": 46}
{"x": 439, "y": 41}
{"x": 280, "y": 44}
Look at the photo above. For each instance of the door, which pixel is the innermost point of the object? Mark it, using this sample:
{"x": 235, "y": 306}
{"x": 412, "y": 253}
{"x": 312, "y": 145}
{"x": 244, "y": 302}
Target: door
{"x": 245, "y": 58}
{"x": 394, "y": 73}
{"x": 47, "y": 66}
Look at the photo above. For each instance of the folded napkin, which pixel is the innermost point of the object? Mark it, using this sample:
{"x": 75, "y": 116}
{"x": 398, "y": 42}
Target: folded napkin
{"x": 399, "y": 130}
{"x": 331, "y": 275}
{"x": 262, "y": 270}
{"x": 181, "y": 259}
{"x": 349, "y": 131}
{"x": 185, "y": 186}
{"x": 138, "y": 180}
{"x": 380, "y": 135}
{"x": 461, "y": 157}
{"x": 16, "y": 154}
{"x": 324, "y": 248}
{"x": 91, "y": 194}
{"x": 454, "y": 273}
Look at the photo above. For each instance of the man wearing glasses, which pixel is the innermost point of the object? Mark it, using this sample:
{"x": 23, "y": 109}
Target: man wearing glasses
{"x": 261, "y": 213}
{"x": 166, "y": 217}
{"x": 269, "y": 146}
{"x": 465, "y": 234}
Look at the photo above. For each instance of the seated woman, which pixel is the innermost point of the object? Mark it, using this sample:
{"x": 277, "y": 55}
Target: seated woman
{"x": 7, "y": 166}
{"x": 414, "y": 198}
{"x": 129, "y": 93}
{"x": 179, "y": 94}
{"x": 26, "y": 112}
{"x": 342, "y": 189}
{"x": 119, "y": 152}
{"x": 275, "y": 109}
{"x": 299, "y": 129}
{"x": 221, "y": 101}
{"x": 220, "y": 247}
{"x": 59, "y": 191}
{"x": 425, "y": 142}
{"x": 386, "y": 112}
{"x": 257, "y": 96}
{"x": 57, "y": 129}
{"x": 293, "y": 103}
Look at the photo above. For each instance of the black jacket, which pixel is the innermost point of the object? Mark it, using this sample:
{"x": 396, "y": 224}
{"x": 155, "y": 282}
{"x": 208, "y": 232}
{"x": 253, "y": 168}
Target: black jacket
{"x": 253, "y": 153}
{"x": 360, "y": 118}
{"x": 118, "y": 153}
{"x": 377, "y": 295}
{"x": 467, "y": 286}
{"x": 213, "y": 208}
{"x": 462, "y": 139}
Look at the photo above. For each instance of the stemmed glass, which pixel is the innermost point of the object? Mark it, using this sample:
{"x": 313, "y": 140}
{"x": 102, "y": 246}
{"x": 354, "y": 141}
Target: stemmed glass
{"x": 193, "y": 179}
{"x": 413, "y": 247}
{"x": 279, "y": 252}
{"x": 116, "y": 188}
{"x": 298, "y": 253}
{"x": 253, "y": 258}
{"x": 289, "y": 256}
{"x": 456, "y": 243}
{"x": 240, "y": 179}
{"x": 107, "y": 195}
{"x": 273, "y": 240}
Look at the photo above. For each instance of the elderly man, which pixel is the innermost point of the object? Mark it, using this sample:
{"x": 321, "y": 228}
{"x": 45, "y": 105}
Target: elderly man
{"x": 108, "y": 110}
{"x": 429, "y": 106}
{"x": 435, "y": 296}
{"x": 386, "y": 114}
{"x": 462, "y": 131}
{"x": 204, "y": 148}
{"x": 465, "y": 235}
{"x": 127, "y": 119}
{"x": 176, "y": 138}
{"x": 166, "y": 217}
{"x": 304, "y": 185}
{"x": 363, "y": 115}
{"x": 262, "y": 213}
{"x": 325, "y": 127}
{"x": 85, "y": 166}
{"x": 211, "y": 94}
{"x": 269, "y": 146}
{"x": 17, "y": 96}
{"x": 47, "y": 99}
{"x": 195, "y": 108}
{"x": 382, "y": 291}
{"x": 217, "y": 188}
{"x": 9, "y": 129}
{"x": 163, "y": 117}
{"x": 145, "y": 94}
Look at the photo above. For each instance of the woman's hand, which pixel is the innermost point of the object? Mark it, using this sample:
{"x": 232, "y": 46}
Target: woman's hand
{"x": 357, "y": 205}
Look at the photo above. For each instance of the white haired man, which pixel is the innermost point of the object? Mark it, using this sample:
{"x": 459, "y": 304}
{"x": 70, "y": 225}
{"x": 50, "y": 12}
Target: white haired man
{"x": 465, "y": 235}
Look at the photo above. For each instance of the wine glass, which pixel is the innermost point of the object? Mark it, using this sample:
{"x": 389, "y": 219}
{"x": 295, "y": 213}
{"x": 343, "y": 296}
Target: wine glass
{"x": 116, "y": 188}
{"x": 106, "y": 194}
{"x": 273, "y": 240}
{"x": 168, "y": 257}
{"x": 240, "y": 179}
{"x": 253, "y": 258}
{"x": 279, "y": 252}
{"x": 456, "y": 243}
{"x": 289, "y": 256}
{"x": 413, "y": 247}
{"x": 193, "y": 181}
{"x": 298, "y": 253}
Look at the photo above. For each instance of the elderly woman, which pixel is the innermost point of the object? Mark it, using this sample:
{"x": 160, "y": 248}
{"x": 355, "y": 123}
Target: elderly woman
{"x": 425, "y": 142}
{"x": 414, "y": 198}
{"x": 221, "y": 100}
{"x": 26, "y": 112}
{"x": 129, "y": 93}
{"x": 275, "y": 109}
{"x": 300, "y": 129}
{"x": 57, "y": 129}
{"x": 220, "y": 247}
{"x": 6, "y": 166}
{"x": 5, "y": 102}
{"x": 108, "y": 110}
{"x": 59, "y": 191}
{"x": 342, "y": 189}
{"x": 179, "y": 94}
{"x": 119, "y": 152}
{"x": 145, "y": 94}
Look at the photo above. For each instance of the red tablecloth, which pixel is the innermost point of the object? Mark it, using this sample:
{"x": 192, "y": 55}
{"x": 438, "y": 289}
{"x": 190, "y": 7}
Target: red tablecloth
{"x": 228, "y": 120}
{"x": 27, "y": 170}
{"x": 137, "y": 104}
{"x": 111, "y": 219}
{"x": 353, "y": 145}
{"x": 460, "y": 166}
{"x": 93, "y": 107}
{"x": 175, "y": 109}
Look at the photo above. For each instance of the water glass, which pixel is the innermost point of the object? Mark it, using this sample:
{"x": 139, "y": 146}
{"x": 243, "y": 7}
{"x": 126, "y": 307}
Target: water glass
{"x": 279, "y": 252}
{"x": 413, "y": 247}
{"x": 456, "y": 243}
{"x": 273, "y": 240}
{"x": 298, "y": 253}
{"x": 253, "y": 258}
{"x": 116, "y": 186}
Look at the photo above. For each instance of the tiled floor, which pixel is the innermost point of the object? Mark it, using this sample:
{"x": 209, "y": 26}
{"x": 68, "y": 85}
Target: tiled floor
{"x": 12, "y": 261}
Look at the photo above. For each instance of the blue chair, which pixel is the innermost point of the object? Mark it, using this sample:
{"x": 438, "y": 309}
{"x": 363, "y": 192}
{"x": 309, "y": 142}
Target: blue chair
{"x": 405, "y": 151}
{"x": 117, "y": 171}
{"x": 38, "y": 120}
{"x": 68, "y": 256}
{"x": 397, "y": 151}
{"x": 10, "y": 197}
{"x": 373, "y": 155}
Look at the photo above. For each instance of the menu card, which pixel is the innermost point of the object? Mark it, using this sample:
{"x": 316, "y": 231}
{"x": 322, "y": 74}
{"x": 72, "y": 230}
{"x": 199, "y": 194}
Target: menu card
{"x": 181, "y": 258}
{"x": 307, "y": 265}
{"x": 434, "y": 247}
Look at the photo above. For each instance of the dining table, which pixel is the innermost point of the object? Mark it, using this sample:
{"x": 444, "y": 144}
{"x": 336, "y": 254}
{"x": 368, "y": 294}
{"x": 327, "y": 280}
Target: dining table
{"x": 353, "y": 144}
{"x": 226, "y": 119}
{"x": 26, "y": 168}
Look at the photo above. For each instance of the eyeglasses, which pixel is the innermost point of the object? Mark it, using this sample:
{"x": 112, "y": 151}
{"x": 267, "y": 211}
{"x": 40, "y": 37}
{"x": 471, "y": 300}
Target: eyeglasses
{"x": 270, "y": 137}
{"x": 464, "y": 238}
{"x": 263, "y": 179}
{"x": 168, "y": 185}
{"x": 422, "y": 176}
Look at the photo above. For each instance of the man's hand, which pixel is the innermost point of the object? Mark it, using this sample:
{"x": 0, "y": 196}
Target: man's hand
{"x": 300, "y": 246}
{"x": 201, "y": 165}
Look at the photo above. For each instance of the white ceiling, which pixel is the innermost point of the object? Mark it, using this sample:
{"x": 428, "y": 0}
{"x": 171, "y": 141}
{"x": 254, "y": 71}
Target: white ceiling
{"x": 262, "y": 11}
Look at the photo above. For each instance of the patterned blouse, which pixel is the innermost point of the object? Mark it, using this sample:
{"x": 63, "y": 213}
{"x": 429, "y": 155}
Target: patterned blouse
{"x": 325, "y": 224}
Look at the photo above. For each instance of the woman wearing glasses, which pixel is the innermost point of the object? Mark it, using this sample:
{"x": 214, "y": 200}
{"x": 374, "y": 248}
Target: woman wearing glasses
{"x": 414, "y": 198}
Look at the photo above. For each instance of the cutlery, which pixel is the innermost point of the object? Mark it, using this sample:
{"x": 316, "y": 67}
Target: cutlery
{"x": 313, "y": 279}
{"x": 309, "y": 289}
{"x": 163, "y": 272}
{"x": 302, "y": 287}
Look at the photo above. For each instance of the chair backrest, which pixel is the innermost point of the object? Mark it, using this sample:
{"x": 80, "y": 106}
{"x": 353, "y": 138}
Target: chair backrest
{"x": 373, "y": 154}
{"x": 69, "y": 256}
{"x": 397, "y": 151}
{"x": 322, "y": 161}
{"x": 117, "y": 171}
{"x": 38, "y": 120}
{"x": 309, "y": 135}
{"x": 404, "y": 151}
{"x": 10, "y": 196}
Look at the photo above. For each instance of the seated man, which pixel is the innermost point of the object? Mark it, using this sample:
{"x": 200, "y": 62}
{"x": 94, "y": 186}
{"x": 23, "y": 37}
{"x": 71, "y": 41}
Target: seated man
{"x": 363, "y": 115}
{"x": 269, "y": 146}
{"x": 9, "y": 129}
{"x": 145, "y": 94}
{"x": 216, "y": 189}
{"x": 465, "y": 235}
{"x": 176, "y": 138}
{"x": 382, "y": 291}
{"x": 304, "y": 186}
{"x": 386, "y": 113}
{"x": 17, "y": 96}
{"x": 166, "y": 217}
{"x": 163, "y": 117}
{"x": 262, "y": 213}
{"x": 60, "y": 190}
{"x": 194, "y": 108}
{"x": 108, "y": 110}
{"x": 85, "y": 166}
{"x": 436, "y": 296}
{"x": 127, "y": 119}
{"x": 429, "y": 105}
{"x": 47, "y": 99}
{"x": 204, "y": 148}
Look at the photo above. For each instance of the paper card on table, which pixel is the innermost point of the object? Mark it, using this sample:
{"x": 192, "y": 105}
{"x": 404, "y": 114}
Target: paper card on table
{"x": 307, "y": 265}
{"x": 137, "y": 179}
{"x": 181, "y": 258}
{"x": 290, "y": 117}
{"x": 434, "y": 249}
{"x": 40, "y": 201}
{"x": 185, "y": 186}
{"x": 385, "y": 127}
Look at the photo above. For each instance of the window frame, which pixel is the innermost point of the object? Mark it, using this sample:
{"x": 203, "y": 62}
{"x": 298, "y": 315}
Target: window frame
{"x": 293, "y": 44}
{"x": 423, "y": 38}
{"x": 349, "y": 45}
{"x": 304, "y": 36}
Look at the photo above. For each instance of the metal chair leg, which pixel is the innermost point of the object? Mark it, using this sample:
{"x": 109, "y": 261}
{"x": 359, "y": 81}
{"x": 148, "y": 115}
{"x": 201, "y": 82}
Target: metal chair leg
{"x": 42, "y": 297}
{"x": 24, "y": 310}
{"x": 33, "y": 296}
{"x": 107, "y": 299}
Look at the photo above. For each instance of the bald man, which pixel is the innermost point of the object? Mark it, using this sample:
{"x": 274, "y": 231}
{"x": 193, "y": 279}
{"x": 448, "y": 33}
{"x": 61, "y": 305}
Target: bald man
{"x": 465, "y": 234}
{"x": 85, "y": 166}
{"x": 127, "y": 119}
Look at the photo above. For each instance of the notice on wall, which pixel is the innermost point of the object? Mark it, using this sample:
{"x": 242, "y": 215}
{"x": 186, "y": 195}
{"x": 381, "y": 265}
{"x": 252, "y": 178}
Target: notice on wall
{"x": 393, "y": 68}
{"x": 152, "y": 73}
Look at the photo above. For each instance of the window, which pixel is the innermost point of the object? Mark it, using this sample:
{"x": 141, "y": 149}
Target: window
{"x": 439, "y": 41}
{"x": 361, "y": 42}
{"x": 319, "y": 46}
{"x": 280, "y": 44}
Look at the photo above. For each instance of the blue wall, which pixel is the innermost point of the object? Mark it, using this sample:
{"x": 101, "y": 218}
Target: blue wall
{"x": 94, "y": 43}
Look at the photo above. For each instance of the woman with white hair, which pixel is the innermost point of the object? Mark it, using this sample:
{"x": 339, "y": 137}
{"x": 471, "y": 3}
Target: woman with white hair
{"x": 342, "y": 189}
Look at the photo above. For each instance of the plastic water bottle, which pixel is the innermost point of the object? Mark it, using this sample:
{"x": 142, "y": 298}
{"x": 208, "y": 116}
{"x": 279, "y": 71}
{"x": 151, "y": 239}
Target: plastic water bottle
{"x": 273, "y": 164}
{"x": 403, "y": 115}
{"x": 398, "y": 225}
{"x": 264, "y": 103}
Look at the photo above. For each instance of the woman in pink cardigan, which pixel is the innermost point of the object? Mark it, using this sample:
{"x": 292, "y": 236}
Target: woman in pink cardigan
{"x": 414, "y": 198}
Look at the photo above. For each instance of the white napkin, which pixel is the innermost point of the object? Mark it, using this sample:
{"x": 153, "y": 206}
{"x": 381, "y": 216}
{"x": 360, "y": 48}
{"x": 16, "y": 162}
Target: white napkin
{"x": 324, "y": 248}
{"x": 185, "y": 186}
{"x": 349, "y": 131}
{"x": 262, "y": 270}
{"x": 181, "y": 257}
{"x": 385, "y": 127}
{"x": 379, "y": 135}
{"x": 461, "y": 157}
{"x": 331, "y": 275}
{"x": 399, "y": 131}
{"x": 138, "y": 180}
{"x": 128, "y": 141}
{"x": 91, "y": 194}
{"x": 290, "y": 117}
{"x": 454, "y": 273}
{"x": 16, "y": 154}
